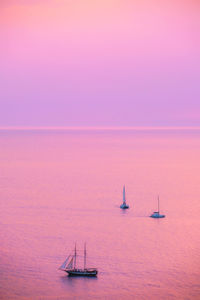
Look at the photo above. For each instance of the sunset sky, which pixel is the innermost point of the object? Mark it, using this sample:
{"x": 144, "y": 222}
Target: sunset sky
{"x": 99, "y": 63}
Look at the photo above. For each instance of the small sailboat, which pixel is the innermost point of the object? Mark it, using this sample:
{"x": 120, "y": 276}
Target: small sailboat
{"x": 124, "y": 205}
{"x": 156, "y": 214}
{"x": 70, "y": 267}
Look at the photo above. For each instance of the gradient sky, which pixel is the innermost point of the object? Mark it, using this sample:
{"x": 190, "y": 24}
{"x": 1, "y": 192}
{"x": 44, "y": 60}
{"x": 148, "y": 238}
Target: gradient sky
{"x": 100, "y": 63}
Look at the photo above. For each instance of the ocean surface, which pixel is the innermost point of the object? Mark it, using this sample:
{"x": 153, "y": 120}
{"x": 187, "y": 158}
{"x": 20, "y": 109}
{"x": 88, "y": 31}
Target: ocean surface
{"x": 58, "y": 187}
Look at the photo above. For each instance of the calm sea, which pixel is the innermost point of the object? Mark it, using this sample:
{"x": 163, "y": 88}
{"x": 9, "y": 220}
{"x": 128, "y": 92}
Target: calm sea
{"x": 59, "y": 187}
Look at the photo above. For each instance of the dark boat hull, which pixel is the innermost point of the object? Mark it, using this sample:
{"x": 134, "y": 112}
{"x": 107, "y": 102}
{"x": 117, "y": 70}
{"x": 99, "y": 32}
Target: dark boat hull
{"x": 124, "y": 206}
{"x": 86, "y": 273}
{"x": 158, "y": 217}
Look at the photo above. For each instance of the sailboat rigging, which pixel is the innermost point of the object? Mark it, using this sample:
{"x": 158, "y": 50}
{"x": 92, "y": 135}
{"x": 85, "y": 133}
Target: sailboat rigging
{"x": 156, "y": 214}
{"x": 124, "y": 205}
{"x": 69, "y": 265}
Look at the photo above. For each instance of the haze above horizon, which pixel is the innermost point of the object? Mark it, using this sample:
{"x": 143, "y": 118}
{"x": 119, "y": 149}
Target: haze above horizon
{"x": 93, "y": 128}
{"x": 100, "y": 63}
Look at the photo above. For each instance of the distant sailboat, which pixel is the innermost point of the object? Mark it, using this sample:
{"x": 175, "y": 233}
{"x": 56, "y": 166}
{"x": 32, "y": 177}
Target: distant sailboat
{"x": 69, "y": 266}
{"x": 157, "y": 214}
{"x": 124, "y": 205}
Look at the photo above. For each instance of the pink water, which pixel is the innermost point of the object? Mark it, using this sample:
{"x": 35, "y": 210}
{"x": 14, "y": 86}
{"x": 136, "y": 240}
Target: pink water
{"x": 61, "y": 187}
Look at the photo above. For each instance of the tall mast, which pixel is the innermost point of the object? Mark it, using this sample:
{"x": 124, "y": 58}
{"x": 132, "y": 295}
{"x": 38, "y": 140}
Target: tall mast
{"x": 158, "y": 205}
{"x": 124, "y": 195}
{"x": 75, "y": 257}
{"x": 84, "y": 256}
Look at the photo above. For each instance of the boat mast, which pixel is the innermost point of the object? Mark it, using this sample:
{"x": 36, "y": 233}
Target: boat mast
{"x": 124, "y": 196}
{"x": 75, "y": 257}
{"x": 158, "y": 205}
{"x": 84, "y": 256}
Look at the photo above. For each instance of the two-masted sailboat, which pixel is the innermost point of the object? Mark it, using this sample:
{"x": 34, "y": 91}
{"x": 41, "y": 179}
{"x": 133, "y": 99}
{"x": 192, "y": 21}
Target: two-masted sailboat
{"x": 156, "y": 214}
{"x": 124, "y": 205}
{"x": 70, "y": 267}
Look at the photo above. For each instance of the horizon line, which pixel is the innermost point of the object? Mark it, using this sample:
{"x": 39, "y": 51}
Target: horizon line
{"x": 99, "y": 128}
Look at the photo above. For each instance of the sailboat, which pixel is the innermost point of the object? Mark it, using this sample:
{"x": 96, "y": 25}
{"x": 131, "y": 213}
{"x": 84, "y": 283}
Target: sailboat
{"x": 156, "y": 214}
{"x": 124, "y": 205}
{"x": 69, "y": 266}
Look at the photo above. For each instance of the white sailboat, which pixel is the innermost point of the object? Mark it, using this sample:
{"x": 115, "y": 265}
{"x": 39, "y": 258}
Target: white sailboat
{"x": 156, "y": 214}
{"x": 124, "y": 205}
{"x": 69, "y": 266}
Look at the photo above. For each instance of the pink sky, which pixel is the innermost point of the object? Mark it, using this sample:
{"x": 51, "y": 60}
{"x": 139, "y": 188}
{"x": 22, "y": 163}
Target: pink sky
{"x": 100, "y": 63}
